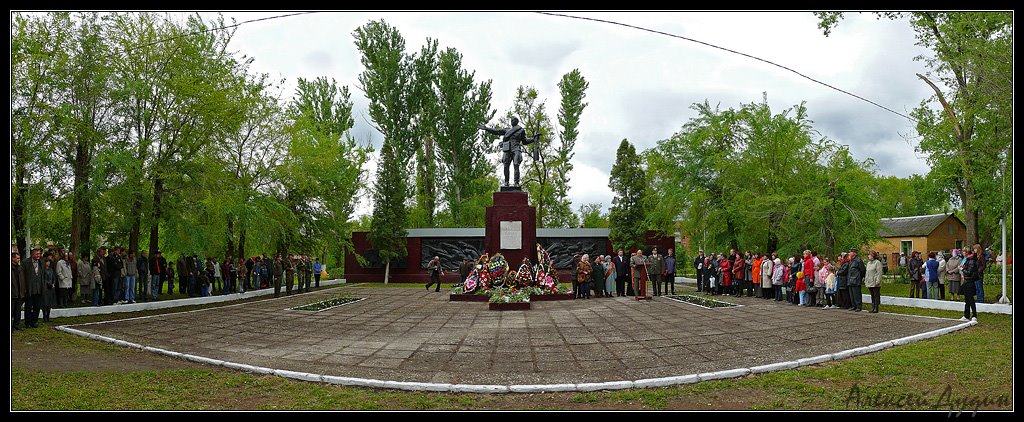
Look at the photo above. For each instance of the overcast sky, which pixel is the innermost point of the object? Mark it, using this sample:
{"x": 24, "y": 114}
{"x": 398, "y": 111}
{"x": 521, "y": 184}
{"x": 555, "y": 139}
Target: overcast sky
{"x": 641, "y": 84}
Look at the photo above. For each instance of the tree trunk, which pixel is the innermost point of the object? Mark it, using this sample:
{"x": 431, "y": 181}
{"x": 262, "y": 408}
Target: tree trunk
{"x": 18, "y": 210}
{"x": 79, "y": 197}
{"x": 241, "y": 242}
{"x": 387, "y": 272}
{"x": 154, "y": 230}
{"x": 231, "y": 237}
{"x": 830, "y": 235}
{"x": 773, "y": 237}
{"x": 86, "y": 231}
{"x": 731, "y": 230}
{"x": 970, "y": 213}
{"x": 133, "y": 237}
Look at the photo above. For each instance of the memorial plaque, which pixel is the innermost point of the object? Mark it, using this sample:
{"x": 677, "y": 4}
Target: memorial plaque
{"x": 511, "y": 234}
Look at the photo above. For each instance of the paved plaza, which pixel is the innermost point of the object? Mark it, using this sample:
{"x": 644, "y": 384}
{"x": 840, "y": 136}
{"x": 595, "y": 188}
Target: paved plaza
{"x": 405, "y": 334}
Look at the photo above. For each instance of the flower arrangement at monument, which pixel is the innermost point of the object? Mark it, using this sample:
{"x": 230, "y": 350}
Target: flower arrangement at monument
{"x": 491, "y": 277}
{"x": 524, "y": 277}
{"x": 497, "y": 270}
{"x": 510, "y": 295}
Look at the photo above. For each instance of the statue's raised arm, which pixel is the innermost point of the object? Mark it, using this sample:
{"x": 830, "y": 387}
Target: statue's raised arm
{"x": 492, "y": 131}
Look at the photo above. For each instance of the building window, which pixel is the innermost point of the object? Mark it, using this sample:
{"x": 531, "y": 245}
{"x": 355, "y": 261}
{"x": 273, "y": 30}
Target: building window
{"x": 959, "y": 244}
{"x": 906, "y": 247}
{"x": 949, "y": 228}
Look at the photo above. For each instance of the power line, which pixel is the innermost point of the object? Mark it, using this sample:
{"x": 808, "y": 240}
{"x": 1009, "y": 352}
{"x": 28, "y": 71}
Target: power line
{"x": 731, "y": 51}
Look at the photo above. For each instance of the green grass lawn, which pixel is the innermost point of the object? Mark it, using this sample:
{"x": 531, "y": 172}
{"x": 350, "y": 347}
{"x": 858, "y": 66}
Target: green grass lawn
{"x": 974, "y": 362}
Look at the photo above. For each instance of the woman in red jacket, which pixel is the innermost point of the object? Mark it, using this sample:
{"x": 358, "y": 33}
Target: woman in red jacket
{"x": 726, "y": 265}
{"x": 809, "y": 278}
{"x": 737, "y": 273}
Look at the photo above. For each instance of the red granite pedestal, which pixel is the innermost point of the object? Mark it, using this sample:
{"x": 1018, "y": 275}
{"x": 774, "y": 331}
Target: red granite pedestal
{"x": 513, "y": 208}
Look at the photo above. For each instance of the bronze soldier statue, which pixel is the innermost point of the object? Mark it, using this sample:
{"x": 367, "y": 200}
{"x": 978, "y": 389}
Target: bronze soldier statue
{"x": 512, "y": 141}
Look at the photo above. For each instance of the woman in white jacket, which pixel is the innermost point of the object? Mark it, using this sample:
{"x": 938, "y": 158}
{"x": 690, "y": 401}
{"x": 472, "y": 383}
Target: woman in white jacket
{"x": 873, "y": 279}
{"x": 64, "y": 278}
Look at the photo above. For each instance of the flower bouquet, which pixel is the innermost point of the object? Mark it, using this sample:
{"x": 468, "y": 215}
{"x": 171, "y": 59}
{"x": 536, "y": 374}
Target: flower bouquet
{"x": 524, "y": 277}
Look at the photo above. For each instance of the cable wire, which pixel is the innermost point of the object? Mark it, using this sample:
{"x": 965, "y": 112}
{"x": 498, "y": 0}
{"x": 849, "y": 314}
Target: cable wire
{"x": 731, "y": 51}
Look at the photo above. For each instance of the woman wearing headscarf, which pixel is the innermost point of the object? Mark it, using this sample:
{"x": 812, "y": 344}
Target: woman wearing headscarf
{"x": 609, "y": 277}
{"x": 583, "y": 270}
{"x": 778, "y": 272}
{"x": 767, "y": 265}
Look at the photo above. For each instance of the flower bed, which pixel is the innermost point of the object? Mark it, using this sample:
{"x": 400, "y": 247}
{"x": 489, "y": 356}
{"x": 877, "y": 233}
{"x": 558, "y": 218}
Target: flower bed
{"x": 510, "y": 295}
{"x": 701, "y": 301}
{"x": 324, "y": 305}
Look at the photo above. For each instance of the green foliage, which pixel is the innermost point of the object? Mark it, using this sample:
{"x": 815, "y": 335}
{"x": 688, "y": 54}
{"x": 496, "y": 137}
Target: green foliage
{"x": 390, "y": 82}
{"x": 626, "y": 216}
{"x": 760, "y": 180}
{"x": 592, "y": 217}
{"x": 967, "y": 136}
{"x": 466, "y": 177}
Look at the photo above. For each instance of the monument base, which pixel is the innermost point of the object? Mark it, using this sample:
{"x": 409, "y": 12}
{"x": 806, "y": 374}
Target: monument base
{"x": 468, "y": 297}
{"x": 511, "y": 227}
{"x": 514, "y": 306}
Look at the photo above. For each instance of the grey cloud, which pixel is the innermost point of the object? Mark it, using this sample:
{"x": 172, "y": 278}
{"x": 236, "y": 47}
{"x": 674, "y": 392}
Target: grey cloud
{"x": 545, "y": 56}
{"x": 319, "y": 60}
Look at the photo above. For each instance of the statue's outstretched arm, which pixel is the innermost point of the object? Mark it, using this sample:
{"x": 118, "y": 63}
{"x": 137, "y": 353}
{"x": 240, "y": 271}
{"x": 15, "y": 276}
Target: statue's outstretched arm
{"x": 492, "y": 131}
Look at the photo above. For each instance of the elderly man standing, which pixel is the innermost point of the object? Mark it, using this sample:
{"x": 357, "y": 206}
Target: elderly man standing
{"x": 669, "y": 273}
{"x": 638, "y": 261}
{"x": 34, "y": 285}
{"x": 854, "y": 279}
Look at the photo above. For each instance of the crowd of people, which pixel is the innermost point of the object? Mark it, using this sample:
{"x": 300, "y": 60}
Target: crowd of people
{"x": 608, "y": 273}
{"x": 813, "y": 281}
{"x": 49, "y": 279}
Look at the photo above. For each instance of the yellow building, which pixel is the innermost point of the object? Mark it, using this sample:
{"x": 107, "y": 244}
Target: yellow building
{"x": 922, "y": 233}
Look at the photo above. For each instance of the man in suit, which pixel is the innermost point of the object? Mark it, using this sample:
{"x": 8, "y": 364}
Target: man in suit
{"x": 669, "y": 272}
{"x": 621, "y": 273}
{"x": 698, "y": 266}
{"x": 34, "y": 285}
{"x": 638, "y": 262}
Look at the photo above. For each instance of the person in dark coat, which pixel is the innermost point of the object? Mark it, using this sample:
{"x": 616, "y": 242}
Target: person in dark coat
{"x": 621, "y": 273}
{"x": 50, "y": 291}
{"x": 34, "y": 286}
{"x": 278, "y": 275}
{"x": 854, "y": 279}
{"x": 968, "y": 289}
{"x": 17, "y": 290}
{"x": 698, "y": 267}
